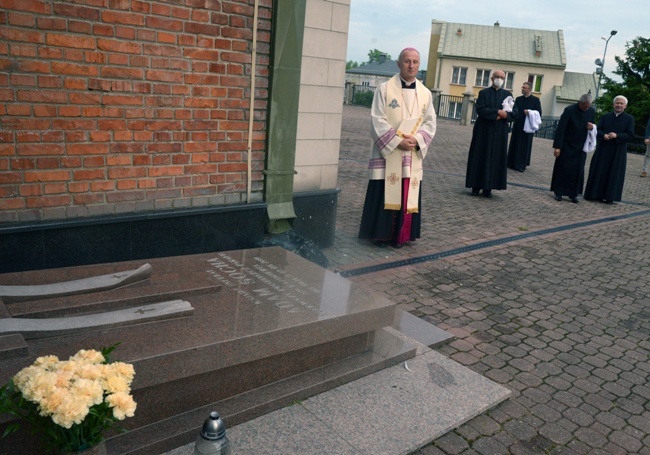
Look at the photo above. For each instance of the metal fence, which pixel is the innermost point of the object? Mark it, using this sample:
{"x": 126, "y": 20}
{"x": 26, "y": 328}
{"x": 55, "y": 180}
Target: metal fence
{"x": 547, "y": 129}
{"x": 449, "y": 106}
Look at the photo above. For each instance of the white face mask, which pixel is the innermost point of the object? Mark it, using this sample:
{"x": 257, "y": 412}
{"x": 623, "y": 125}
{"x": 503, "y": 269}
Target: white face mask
{"x": 498, "y": 82}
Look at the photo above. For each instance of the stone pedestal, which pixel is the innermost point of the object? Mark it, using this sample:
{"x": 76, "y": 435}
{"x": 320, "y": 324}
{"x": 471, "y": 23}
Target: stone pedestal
{"x": 267, "y": 328}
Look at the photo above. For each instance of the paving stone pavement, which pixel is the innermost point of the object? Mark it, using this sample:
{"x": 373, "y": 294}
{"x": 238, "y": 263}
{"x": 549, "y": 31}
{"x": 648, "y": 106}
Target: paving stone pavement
{"x": 546, "y": 298}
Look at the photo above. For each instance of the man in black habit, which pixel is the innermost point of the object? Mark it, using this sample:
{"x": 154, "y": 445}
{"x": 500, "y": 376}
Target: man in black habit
{"x": 486, "y": 164}
{"x": 607, "y": 168}
{"x": 521, "y": 141}
{"x": 570, "y": 136}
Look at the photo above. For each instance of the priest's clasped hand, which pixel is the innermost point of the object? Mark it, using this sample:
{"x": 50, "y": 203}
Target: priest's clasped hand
{"x": 408, "y": 143}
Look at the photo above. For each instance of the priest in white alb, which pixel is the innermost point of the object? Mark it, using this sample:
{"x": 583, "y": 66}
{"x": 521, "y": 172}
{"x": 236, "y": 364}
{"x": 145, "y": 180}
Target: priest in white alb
{"x": 403, "y": 126}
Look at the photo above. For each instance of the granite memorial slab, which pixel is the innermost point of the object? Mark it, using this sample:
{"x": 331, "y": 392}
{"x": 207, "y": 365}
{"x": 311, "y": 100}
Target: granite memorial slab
{"x": 267, "y": 328}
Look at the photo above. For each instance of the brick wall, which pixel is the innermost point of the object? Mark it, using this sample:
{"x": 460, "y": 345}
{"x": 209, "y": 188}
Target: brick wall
{"x": 120, "y": 106}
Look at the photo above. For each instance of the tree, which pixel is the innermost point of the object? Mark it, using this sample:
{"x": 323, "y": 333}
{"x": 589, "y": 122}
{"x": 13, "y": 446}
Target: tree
{"x": 351, "y": 64}
{"x": 375, "y": 56}
{"x": 634, "y": 69}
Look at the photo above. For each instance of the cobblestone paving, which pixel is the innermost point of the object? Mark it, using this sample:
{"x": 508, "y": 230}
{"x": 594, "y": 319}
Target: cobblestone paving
{"x": 561, "y": 319}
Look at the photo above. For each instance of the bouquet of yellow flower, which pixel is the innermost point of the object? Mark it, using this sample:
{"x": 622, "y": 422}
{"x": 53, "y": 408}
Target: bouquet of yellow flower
{"x": 70, "y": 402}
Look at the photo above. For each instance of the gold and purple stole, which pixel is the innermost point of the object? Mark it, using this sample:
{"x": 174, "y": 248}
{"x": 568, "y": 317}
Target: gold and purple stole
{"x": 393, "y": 186}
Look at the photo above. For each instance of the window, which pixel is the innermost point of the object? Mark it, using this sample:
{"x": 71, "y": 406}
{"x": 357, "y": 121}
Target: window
{"x": 510, "y": 81}
{"x": 482, "y": 78}
{"x": 459, "y": 75}
{"x": 536, "y": 80}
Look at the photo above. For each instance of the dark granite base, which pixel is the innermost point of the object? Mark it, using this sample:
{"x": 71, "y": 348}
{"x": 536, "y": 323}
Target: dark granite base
{"x": 261, "y": 317}
{"x": 183, "y": 429}
{"x": 66, "y": 243}
{"x": 316, "y": 216}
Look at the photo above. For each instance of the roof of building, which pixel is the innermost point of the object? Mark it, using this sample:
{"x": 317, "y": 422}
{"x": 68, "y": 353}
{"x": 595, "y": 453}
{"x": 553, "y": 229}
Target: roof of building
{"x": 384, "y": 68}
{"x": 516, "y": 45}
{"x": 575, "y": 85}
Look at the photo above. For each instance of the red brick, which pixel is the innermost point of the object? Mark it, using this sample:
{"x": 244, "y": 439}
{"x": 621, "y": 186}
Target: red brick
{"x": 12, "y": 204}
{"x": 50, "y": 82}
{"x": 52, "y": 136}
{"x": 80, "y": 12}
{"x": 64, "y": 124}
{"x": 142, "y": 160}
{"x": 164, "y": 76}
{"x": 125, "y": 196}
{"x": 32, "y": 67}
{"x": 46, "y": 176}
{"x": 10, "y": 177}
{"x": 102, "y": 186}
{"x": 205, "y": 29}
{"x": 93, "y": 161}
{"x": 21, "y": 20}
{"x": 100, "y": 136}
{"x": 126, "y": 172}
{"x": 103, "y": 30}
{"x": 122, "y": 136}
{"x": 89, "y": 174}
{"x": 54, "y": 188}
{"x": 78, "y": 187}
{"x": 74, "y": 41}
{"x": 80, "y": 27}
{"x": 39, "y": 149}
{"x": 19, "y": 109}
{"x": 127, "y": 33}
{"x": 73, "y": 69}
{"x": 27, "y": 136}
{"x": 122, "y": 100}
{"x": 87, "y": 149}
{"x": 141, "y": 7}
{"x": 75, "y": 84}
{"x": 8, "y": 191}
{"x": 112, "y": 45}
{"x": 70, "y": 111}
{"x": 160, "y": 23}
{"x": 67, "y": 162}
{"x": 47, "y": 163}
{"x": 75, "y": 136}
{"x": 118, "y": 160}
{"x": 48, "y": 201}
{"x": 23, "y": 163}
{"x": 118, "y": 17}
{"x": 50, "y": 23}
{"x": 88, "y": 199}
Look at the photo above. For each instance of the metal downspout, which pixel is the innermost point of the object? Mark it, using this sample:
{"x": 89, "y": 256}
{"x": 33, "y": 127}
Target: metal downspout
{"x": 251, "y": 108}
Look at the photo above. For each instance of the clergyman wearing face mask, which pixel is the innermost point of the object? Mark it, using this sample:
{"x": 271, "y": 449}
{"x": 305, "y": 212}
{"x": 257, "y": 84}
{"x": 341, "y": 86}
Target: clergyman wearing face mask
{"x": 487, "y": 161}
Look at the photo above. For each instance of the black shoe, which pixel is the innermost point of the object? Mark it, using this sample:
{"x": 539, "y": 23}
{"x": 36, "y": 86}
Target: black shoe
{"x": 381, "y": 243}
{"x": 487, "y": 193}
{"x": 607, "y": 201}
{"x": 474, "y": 192}
{"x": 574, "y": 200}
{"x": 397, "y": 245}
{"x": 520, "y": 170}
{"x": 558, "y": 197}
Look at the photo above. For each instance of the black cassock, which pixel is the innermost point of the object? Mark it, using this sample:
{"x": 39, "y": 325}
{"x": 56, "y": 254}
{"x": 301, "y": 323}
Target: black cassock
{"x": 607, "y": 169}
{"x": 569, "y": 168}
{"x": 521, "y": 142}
{"x": 486, "y": 164}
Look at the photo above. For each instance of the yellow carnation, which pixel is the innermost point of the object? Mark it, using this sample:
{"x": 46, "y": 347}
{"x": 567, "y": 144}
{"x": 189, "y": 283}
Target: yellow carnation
{"x": 125, "y": 370}
{"x": 88, "y": 356}
{"x": 116, "y": 383}
{"x": 71, "y": 411}
{"x": 89, "y": 390}
{"x": 122, "y": 404}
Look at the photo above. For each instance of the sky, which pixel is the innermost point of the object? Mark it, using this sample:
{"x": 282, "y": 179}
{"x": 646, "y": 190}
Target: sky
{"x": 391, "y": 25}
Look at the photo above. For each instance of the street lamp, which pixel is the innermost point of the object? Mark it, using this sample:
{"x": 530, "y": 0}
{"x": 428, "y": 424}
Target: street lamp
{"x": 601, "y": 63}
